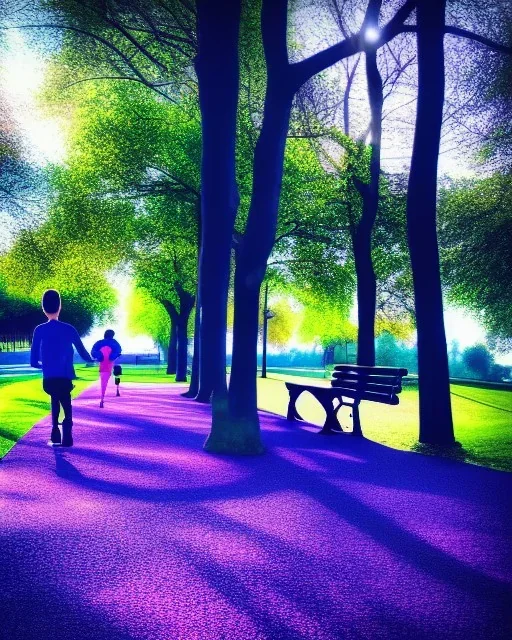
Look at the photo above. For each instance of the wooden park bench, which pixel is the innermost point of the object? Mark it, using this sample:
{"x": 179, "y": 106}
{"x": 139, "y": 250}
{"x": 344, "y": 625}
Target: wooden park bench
{"x": 375, "y": 384}
{"x": 148, "y": 358}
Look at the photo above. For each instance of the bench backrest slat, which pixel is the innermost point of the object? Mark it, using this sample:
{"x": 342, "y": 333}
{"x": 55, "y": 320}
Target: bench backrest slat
{"x": 374, "y": 383}
{"x": 378, "y": 371}
{"x": 367, "y": 385}
{"x": 385, "y": 398}
{"x": 342, "y": 375}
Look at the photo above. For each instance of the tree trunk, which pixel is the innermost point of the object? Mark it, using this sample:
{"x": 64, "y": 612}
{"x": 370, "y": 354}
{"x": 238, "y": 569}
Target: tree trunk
{"x": 172, "y": 351}
{"x": 218, "y": 74}
{"x": 436, "y": 426}
{"x": 186, "y": 306}
{"x": 242, "y": 429}
{"x": 181, "y": 369}
{"x": 252, "y": 262}
{"x": 328, "y": 357}
{"x": 265, "y": 332}
{"x": 362, "y": 240}
{"x": 193, "y": 389}
{"x": 172, "y": 357}
{"x": 366, "y": 294}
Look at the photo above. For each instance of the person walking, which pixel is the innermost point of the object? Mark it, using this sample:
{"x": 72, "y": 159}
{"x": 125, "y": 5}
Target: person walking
{"x": 52, "y": 351}
{"x": 106, "y": 351}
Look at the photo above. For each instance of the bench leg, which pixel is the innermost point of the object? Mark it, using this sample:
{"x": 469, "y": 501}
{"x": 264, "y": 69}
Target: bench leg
{"x": 331, "y": 424}
{"x": 292, "y": 413}
{"x": 356, "y": 430}
{"x": 338, "y": 426}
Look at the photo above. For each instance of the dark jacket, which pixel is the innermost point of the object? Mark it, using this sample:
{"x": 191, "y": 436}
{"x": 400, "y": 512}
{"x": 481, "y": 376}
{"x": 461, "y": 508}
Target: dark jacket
{"x": 106, "y": 342}
{"x": 52, "y": 349}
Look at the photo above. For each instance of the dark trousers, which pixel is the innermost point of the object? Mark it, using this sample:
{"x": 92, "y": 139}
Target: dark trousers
{"x": 59, "y": 390}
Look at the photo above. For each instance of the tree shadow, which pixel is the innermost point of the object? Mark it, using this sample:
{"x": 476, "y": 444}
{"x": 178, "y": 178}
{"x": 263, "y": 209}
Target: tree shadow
{"x": 43, "y": 609}
{"x": 382, "y": 529}
{"x": 340, "y": 462}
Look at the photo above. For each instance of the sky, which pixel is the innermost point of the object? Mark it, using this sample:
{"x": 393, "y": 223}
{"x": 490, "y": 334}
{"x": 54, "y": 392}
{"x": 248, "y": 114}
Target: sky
{"x": 21, "y": 76}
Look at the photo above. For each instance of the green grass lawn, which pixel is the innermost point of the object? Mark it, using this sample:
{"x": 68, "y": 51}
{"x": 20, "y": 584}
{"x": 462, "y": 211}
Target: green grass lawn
{"x": 482, "y": 419}
{"x": 23, "y": 401}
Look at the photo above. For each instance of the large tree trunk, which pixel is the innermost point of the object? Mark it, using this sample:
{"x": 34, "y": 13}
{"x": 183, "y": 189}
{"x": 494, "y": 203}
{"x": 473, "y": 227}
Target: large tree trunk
{"x": 436, "y": 425}
{"x": 172, "y": 352}
{"x": 362, "y": 241}
{"x": 238, "y": 429}
{"x": 252, "y": 256}
{"x": 218, "y": 74}
{"x": 259, "y": 235}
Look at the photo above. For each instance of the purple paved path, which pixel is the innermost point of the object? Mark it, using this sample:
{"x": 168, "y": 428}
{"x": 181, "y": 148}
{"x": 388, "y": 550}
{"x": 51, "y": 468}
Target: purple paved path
{"x": 136, "y": 533}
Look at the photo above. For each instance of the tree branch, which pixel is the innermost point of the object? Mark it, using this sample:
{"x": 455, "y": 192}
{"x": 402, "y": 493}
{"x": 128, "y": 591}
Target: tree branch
{"x": 179, "y": 181}
{"x": 151, "y": 85}
{"x": 99, "y": 39}
{"x": 136, "y": 43}
{"x": 464, "y": 33}
{"x": 309, "y": 67}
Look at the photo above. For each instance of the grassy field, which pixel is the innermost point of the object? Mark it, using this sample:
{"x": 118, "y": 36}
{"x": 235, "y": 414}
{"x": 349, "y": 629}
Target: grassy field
{"x": 482, "y": 417}
{"x": 23, "y": 401}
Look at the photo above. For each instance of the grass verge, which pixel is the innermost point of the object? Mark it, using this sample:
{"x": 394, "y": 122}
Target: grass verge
{"x": 23, "y": 401}
{"x": 482, "y": 417}
{"x": 482, "y": 420}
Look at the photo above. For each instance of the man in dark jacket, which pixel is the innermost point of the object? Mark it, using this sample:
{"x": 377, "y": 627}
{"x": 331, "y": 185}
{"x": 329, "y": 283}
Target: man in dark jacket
{"x": 52, "y": 351}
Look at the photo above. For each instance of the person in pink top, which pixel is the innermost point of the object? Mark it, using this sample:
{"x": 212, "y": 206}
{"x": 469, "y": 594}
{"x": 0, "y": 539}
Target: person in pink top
{"x": 106, "y": 351}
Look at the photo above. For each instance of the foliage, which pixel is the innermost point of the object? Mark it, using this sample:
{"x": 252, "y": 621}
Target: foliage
{"x": 150, "y": 43}
{"x": 282, "y": 326}
{"x": 147, "y": 316}
{"x": 139, "y": 159}
{"x": 161, "y": 272}
{"x": 476, "y": 249}
{"x": 22, "y": 183}
{"x": 479, "y": 360}
{"x": 39, "y": 260}
{"x": 391, "y": 352}
{"x": 17, "y": 313}
{"x": 324, "y": 322}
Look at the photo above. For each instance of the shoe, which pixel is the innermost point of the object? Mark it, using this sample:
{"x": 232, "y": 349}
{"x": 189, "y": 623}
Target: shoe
{"x": 55, "y": 437}
{"x": 67, "y": 436}
{"x": 101, "y": 404}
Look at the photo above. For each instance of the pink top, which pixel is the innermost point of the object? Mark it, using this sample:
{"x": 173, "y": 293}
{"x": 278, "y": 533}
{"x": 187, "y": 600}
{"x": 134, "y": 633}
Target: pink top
{"x": 106, "y": 365}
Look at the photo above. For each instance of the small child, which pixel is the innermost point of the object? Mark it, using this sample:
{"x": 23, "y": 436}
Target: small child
{"x": 106, "y": 351}
{"x": 52, "y": 351}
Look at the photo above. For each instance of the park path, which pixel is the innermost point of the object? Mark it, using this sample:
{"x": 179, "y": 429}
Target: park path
{"x": 136, "y": 533}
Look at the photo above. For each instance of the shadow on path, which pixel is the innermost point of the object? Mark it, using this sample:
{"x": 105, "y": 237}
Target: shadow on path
{"x": 319, "y": 538}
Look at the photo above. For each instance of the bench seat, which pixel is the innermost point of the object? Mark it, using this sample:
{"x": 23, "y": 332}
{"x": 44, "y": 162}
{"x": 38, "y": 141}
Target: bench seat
{"x": 357, "y": 383}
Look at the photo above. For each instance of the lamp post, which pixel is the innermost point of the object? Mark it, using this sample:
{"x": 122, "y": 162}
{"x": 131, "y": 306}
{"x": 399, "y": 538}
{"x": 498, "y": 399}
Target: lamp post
{"x": 267, "y": 315}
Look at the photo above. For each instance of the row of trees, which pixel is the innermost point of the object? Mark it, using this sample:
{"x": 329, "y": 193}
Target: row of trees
{"x": 235, "y": 420}
{"x": 331, "y": 224}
